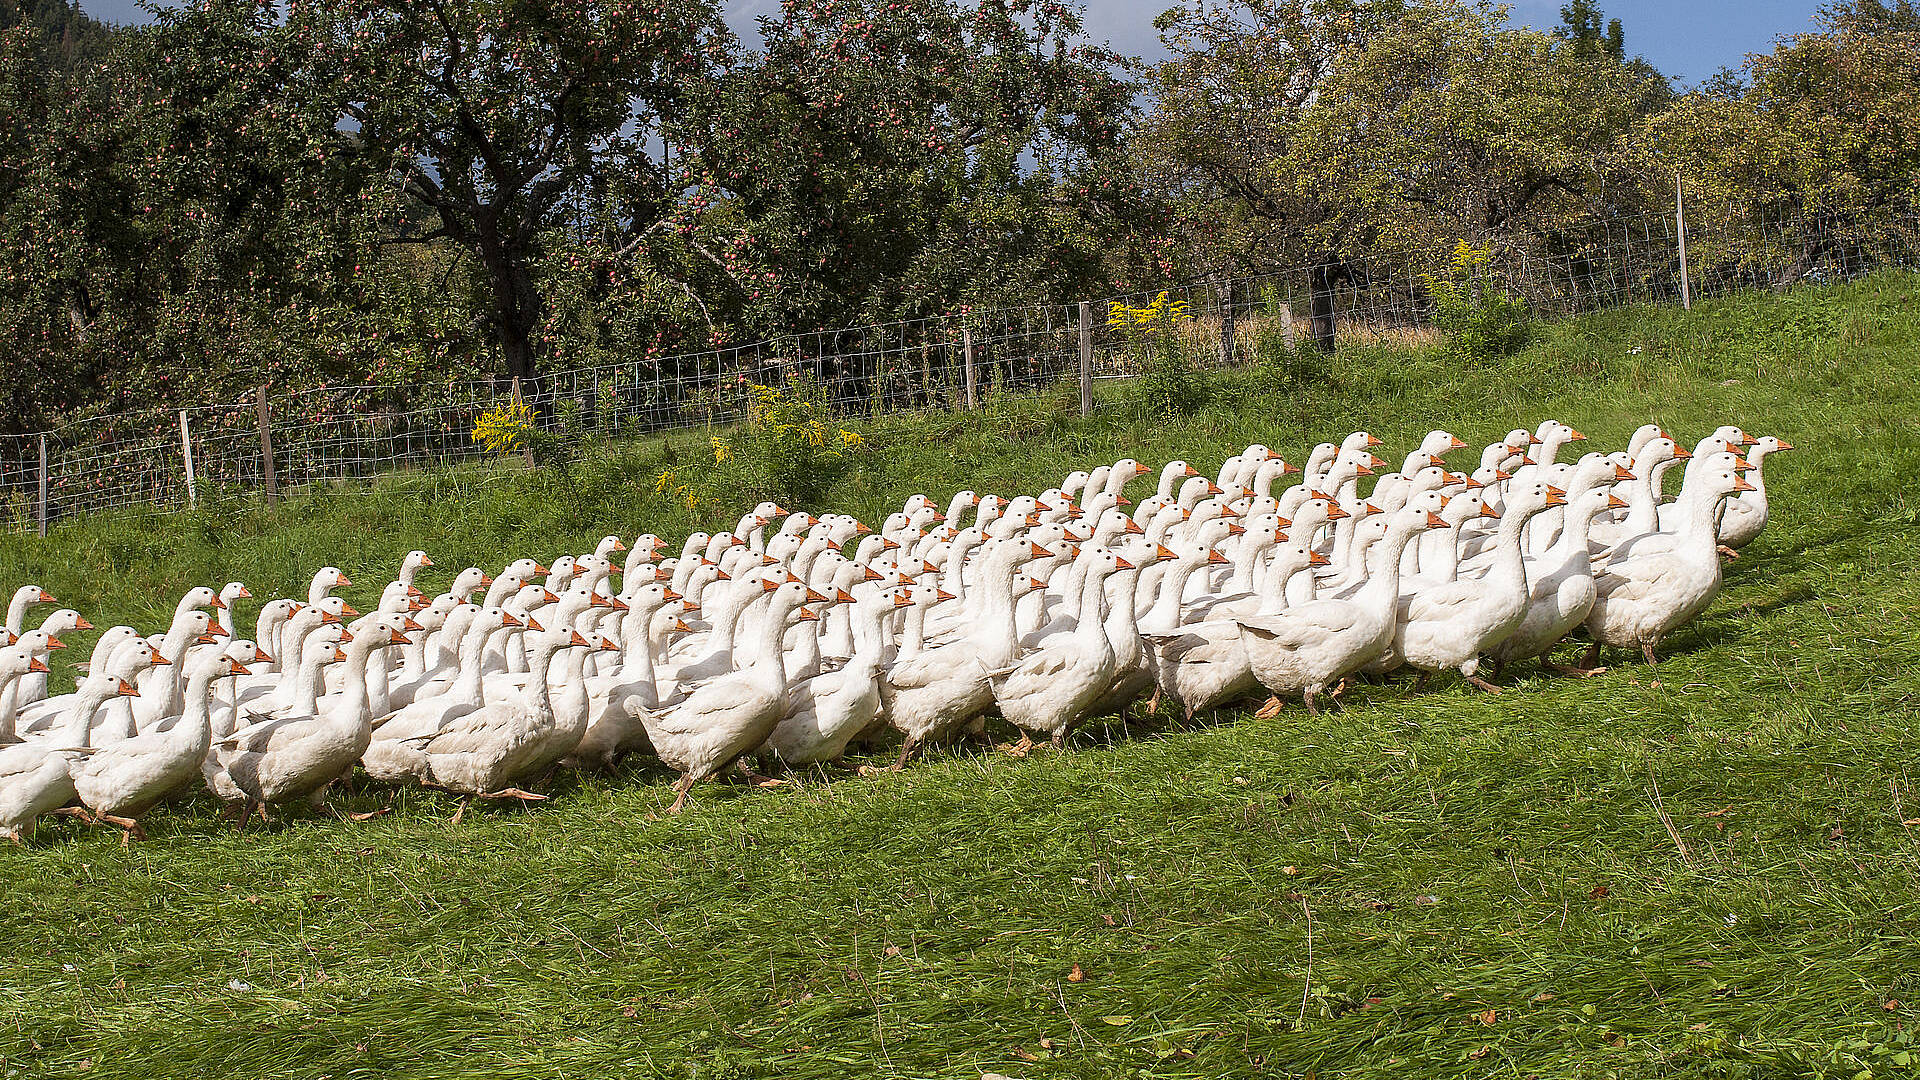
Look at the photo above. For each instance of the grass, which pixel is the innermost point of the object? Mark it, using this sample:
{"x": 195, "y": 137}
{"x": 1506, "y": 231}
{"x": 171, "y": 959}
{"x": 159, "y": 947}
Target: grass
{"x": 1710, "y": 871}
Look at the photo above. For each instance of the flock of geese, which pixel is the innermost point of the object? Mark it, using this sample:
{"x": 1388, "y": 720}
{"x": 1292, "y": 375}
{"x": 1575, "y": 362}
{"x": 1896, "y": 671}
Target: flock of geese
{"x": 772, "y": 643}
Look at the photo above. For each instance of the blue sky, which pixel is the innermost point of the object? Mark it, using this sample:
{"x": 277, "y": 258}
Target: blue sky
{"x": 1687, "y": 39}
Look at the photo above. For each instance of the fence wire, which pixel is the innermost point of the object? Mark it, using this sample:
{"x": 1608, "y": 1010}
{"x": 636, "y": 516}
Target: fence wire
{"x": 339, "y": 434}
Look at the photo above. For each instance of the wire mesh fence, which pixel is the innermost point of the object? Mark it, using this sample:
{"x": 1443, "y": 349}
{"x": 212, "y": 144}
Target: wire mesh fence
{"x": 332, "y": 435}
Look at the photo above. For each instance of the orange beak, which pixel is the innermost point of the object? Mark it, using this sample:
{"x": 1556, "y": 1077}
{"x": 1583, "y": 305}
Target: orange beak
{"x": 1681, "y": 454}
{"x": 1576, "y": 437}
{"x": 1214, "y": 558}
{"x": 1615, "y": 502}
{"x": 1622, "y": 473}
{"x": 81, "y": 623}
{"x": 1372, "y": 442}
{"x": 219, "y": 603}
{"x": 344, "y": 583}
{"x": 538, "y": 569}
{"x": 1740, "y": 484}
{"x": 347, "y": 609}
{"x": 1785, "y": 445}
{"x": 1191, "y": 471}
{"x": 1123, "y": 564}
{"x": 397, "y": 638}
{"x": 424, "y": 561}
{"x": 37, "y": 664}
{"x": 1315, "y": 558}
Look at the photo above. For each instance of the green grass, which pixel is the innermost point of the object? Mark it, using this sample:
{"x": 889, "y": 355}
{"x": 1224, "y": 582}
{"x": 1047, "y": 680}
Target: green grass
{"x": 1708, "y": 873}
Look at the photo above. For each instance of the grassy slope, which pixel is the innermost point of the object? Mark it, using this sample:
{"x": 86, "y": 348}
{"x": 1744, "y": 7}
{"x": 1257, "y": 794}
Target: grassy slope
{"x": 1416, "y": 885}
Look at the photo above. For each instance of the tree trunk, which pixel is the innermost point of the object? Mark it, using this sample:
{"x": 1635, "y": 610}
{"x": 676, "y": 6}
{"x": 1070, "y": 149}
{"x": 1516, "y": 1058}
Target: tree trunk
{"x": 1320, "y": 304}
{"x": 516, "y": 311}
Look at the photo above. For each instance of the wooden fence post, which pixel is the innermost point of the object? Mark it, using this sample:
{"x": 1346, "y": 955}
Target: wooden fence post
{"x": 966, "y": 352}
{"x": 186, "y": 455}
{"x": 1226, "y": 323}
{"x": 266, "y": 447}
{"x": 1086, "y": 357}
{"x": 1286, "y": 324}
{"x": 1680, "y": 219}
{"x": 526, "y": 451}
{"x": 43, "y": 485}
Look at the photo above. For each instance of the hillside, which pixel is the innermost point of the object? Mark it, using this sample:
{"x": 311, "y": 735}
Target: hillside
{"x": 1711, "y": 871}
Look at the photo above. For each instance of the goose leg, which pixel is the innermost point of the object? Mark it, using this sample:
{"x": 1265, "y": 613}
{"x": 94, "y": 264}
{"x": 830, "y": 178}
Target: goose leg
{"x": 465, "y": 801}
{"x": 1567, "y": 669}
{"x": 1482, "y": 684}
{"x": 129, "y": 828}
{"x": 1646, "y": 650}
{"x": 79, "y": 812}
{"x": 1312, "y": 709}
{"x": 680, "y": 788}
{"x": 1592, "y": 657}
{"x": 906, "y": 751}
{"x": 514, "y": 793}
{"x": 1272, "y": 706}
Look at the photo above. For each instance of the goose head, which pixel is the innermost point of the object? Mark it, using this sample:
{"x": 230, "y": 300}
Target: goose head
{"x": 325, "y": 580}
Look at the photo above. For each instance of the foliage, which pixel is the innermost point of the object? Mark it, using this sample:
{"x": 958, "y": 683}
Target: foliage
{"x": 789, "y": 448}
{"x": 1589, "y": 33}
{"x": 877, "y": 160}
{"x": 505, "y": 429}
{"x": 503, "y": 119}
{"x": 1827, "y": 125}
{"x": 1289, "y": 133}
{"x": 1481, "y": 320}
{"x": 1171, "y": 384}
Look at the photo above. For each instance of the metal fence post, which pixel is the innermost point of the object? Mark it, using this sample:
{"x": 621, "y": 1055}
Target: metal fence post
{"x": 186, "y": 455}
{"x": 966, "y": 352}
{"x": 1226, "y": 323}
{"x": 1086, "y": 357}
{"x": 1680, "y": 219}
{"x": 43, "y": 485}
{"x": 266, "y": 447}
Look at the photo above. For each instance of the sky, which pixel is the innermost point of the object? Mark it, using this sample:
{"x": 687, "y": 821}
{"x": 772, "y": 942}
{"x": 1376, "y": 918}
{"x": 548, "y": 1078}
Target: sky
{"x": 1687, "y": 39}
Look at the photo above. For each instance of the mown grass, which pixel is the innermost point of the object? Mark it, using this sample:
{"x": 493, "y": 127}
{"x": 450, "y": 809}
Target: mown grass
{"x": 1708, "y": 871}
